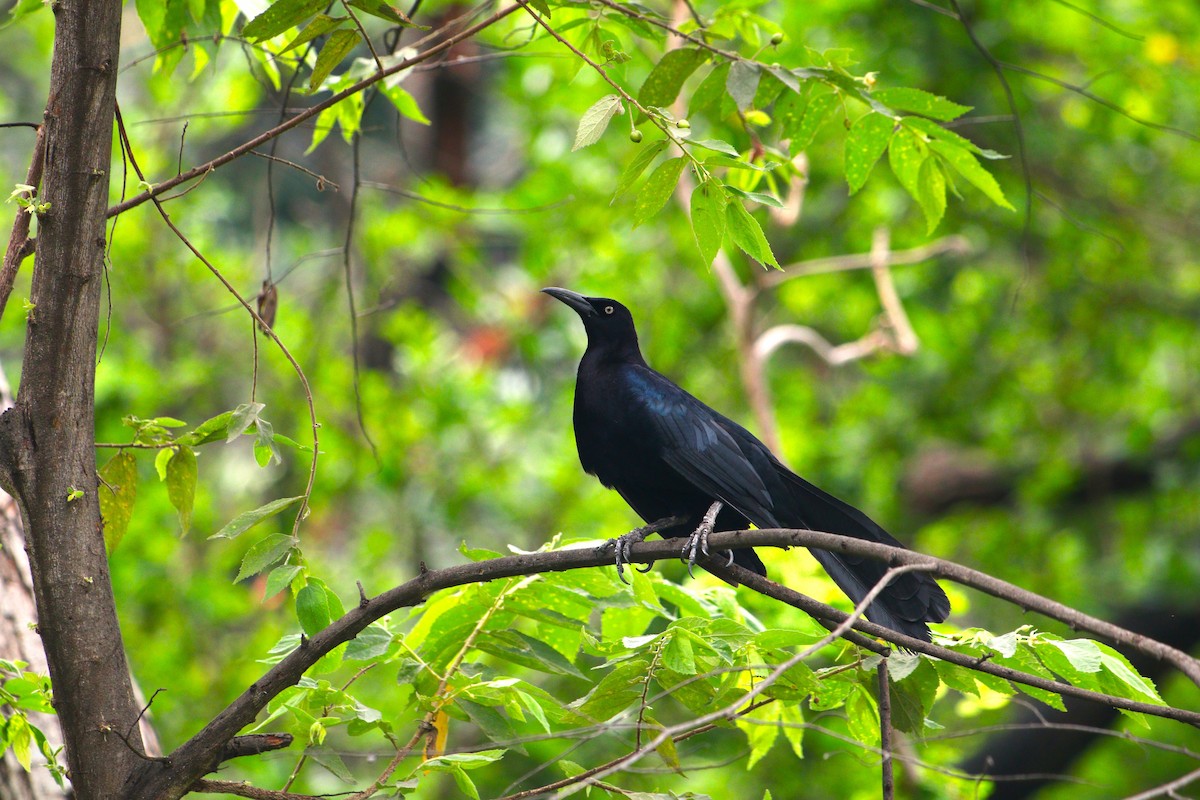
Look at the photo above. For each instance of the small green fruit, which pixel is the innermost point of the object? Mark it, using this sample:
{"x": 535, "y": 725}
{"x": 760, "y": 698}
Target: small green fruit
{"x": 777, "y": 38}
{"x": 683, "y": 124}
{"x": 635, "y": 136}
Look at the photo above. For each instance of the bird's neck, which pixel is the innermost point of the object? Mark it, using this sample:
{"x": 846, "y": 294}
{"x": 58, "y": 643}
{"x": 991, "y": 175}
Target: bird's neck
{"x": 607, "y": 353}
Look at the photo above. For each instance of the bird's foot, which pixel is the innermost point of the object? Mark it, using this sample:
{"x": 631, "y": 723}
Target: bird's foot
{"x": 697, "y": 544}
{"x": 623, "y": 545}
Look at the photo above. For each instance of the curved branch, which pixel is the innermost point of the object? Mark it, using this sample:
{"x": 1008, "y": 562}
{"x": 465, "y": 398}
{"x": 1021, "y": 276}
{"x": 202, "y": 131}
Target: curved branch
{"x": 191, "y": 760}
{"x": 307, "y": 114}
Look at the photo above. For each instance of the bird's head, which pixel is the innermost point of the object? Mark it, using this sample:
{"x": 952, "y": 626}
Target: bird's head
{"x": 609, "y": 324}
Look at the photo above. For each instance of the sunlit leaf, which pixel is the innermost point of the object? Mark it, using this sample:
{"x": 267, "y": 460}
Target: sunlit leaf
{"x": 921, "y": 102}
{"x": 595, "y": 120}
{"x": 281, "y": 16}
{"x": 117, "y": 490}
{"x": 657, "y": 189}
{"x": 248, "y": 519}
{"x": 181, "y": 476}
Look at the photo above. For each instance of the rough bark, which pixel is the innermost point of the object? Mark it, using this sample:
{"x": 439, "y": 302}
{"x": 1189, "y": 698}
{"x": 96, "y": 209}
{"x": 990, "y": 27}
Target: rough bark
{"x": 47, "y": 439}
{"x": 19, "y": 642}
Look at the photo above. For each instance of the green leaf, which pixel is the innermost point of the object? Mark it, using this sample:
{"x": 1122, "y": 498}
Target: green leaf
{"x": 935, "y": 131}
{"x": 264, "y": 553}
{"x": 406, "y": 104}
{"x": 710, "y": 89}
{"x": 279, "y": 17}
{"x": 118, "y": 490}
{"x": 866, "y": 142}
{"x": 815, "y": 114}
{"x": 789, "y": 111}
{"x": 385, "y": 11}
{"x": 615, "y": 692}
{"x": 337, "y": 47}
{"x": 371, "y": 642}
{"x": 792, "y": 718}
{"x": 280, "y": 578}
{"x": 321, "y": 24}
{"x": 160, "y": 462}
{"x": 662, "y": 85}
{"x": 521, "y": 649}
{"x": 748, "y": 234}
{"x": 931, "y": 192}
{"x": 761, "y": 727}
{"x": 657, "y": 189}
{"x": 905, "y": 154}
{"x": 678, "y": 654}
{"x": 964, "y": 164}
{"x": 208, "y": 431}
{"x": 464, "y": 760}
{"x": 181, "y": 474}
{"x": 742, "y": 83}
{"x": 241, "y": 419}
{"x": 595, "y": 120}
{"x": 25, "y": 7}
{"x": 1128, "y": 682}
{"x": 708, "y": 219}
{"x": 717, "y": 145}
{"x": 636, "y": 167}
{"x": 265, "y": 450}
{"x": 919, "y": 101}
{"x": 248, "y": 519}
{"x": 862, "y": 716}
{"x": 758, "y": 197}
{"x": 317, "y": 606}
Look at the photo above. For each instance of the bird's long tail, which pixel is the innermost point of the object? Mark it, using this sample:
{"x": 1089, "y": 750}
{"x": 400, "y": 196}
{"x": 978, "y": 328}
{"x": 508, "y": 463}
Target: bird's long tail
{"x": 908, "y": 602}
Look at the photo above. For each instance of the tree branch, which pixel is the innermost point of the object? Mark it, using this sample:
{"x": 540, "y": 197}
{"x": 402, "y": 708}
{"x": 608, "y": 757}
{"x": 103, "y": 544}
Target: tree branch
{"x": 192, "y": 759}
{"x": 18, "y": 241}
{"x": 308, "y": 113}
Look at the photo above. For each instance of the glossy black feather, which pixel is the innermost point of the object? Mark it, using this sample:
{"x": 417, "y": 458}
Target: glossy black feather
{"x": 669, "y": 454}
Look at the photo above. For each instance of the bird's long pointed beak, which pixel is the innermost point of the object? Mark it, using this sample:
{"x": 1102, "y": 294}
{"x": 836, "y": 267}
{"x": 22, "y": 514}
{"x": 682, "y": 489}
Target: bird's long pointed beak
{"x": 573, "y": 299}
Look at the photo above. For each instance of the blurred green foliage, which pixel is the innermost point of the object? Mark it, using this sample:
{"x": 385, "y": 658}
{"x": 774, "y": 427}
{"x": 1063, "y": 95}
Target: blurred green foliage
{"x": 1061, "y": 342}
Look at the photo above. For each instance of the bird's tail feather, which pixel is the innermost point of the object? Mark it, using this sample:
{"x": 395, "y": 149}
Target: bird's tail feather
{"x": 909, "y": 601}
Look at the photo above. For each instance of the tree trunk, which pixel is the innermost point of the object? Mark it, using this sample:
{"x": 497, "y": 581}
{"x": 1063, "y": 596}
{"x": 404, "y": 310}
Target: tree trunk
{"x": 47, "y": 439}
{"x": 20, "y": 642}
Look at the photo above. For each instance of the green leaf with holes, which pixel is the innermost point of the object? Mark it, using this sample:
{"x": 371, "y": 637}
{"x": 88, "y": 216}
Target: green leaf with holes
{"x": 336, "y": 48}
{"x": 657, "y": 189}
{"x": 708, "y": 219}
{"x": 921, "y": 102}
{"x": 281, "y": 16}
{"x": 868, "y": 138}
{"x": 662, "y": 85}
{"x": 118, "y": 490}
{"x": 181, "y": 474}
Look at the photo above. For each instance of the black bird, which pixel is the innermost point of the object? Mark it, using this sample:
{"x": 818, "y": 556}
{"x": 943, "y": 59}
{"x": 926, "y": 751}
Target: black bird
{"x": 670, "y": 455}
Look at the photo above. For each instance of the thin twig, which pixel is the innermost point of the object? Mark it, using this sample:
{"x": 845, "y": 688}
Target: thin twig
{"x": 1168, "y": 788}
{"x": 16, "y": 252}
{"x": 310, "y": 112}
{"x": 903, "y": 335}
{"x": 308, "y": 396}
{"x": 887, "y": 773}
{"x": 948, "y": 245}
{"x": 1109, "y": 104}
{"x": 198, "y": 751}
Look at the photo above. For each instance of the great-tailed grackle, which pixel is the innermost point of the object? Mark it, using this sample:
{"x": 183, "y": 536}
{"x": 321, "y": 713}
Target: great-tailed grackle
{"x": 670, "y": 455}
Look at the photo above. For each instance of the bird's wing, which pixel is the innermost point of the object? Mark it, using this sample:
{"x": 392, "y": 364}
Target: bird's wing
{"x": 697, "y": 443}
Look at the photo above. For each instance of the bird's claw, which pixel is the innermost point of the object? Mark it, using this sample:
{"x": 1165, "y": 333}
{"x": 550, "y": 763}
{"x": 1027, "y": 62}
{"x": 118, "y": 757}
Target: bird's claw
{"x": 623, "y": 545}
{"x": 697, "y": 544}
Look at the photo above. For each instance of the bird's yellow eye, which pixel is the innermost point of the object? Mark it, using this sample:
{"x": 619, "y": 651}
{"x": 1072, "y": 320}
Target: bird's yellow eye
{"x": 608, "y": 309}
